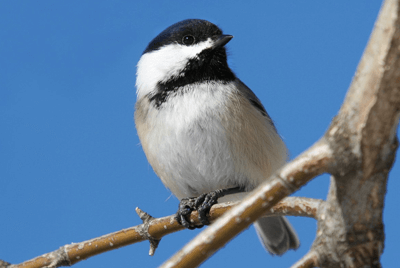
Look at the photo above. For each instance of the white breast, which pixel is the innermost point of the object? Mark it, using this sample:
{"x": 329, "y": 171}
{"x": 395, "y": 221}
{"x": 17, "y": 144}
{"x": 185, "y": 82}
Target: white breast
{"x": 186, "y": 143}
{"x": 208, "y": 138}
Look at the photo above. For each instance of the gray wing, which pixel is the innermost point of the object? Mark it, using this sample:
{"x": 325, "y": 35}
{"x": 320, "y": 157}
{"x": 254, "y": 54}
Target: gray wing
{"x": 249, "y": 94}
{"x": 275, "y": 233}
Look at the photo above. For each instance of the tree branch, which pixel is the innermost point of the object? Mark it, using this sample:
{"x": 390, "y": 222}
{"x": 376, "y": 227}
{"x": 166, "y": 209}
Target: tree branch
{"x": 4, "y": 264}
{"x": 358, "y": 150}
{"x": 309, "y": 260}
{"x": 153, "y": 230}
{"x": 363, "y": 138}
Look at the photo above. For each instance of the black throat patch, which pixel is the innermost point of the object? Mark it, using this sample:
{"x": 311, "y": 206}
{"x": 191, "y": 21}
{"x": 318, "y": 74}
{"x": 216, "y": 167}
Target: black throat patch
{"x": 210, "y": 66}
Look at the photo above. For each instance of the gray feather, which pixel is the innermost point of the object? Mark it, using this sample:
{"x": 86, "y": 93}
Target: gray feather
{"x": 276, "y": 234}
{"x": 249, "y": 94}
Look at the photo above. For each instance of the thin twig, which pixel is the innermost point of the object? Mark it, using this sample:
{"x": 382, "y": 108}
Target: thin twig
{"x": 153, "y": 229}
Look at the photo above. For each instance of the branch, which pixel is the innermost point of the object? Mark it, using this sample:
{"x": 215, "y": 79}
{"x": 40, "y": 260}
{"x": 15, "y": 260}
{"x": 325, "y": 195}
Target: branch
{"x": 358, "y": 150}
{"x": 309, "y": 260}
{"x": 296, "y": 206}
{"x": 291, "y": 177}
{"x": 363, "y": 138}
{"x": 4, "y": 264}
{"x": 153, "y": 230}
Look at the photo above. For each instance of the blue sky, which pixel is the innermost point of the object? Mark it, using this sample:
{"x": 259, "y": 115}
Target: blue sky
{"x": 71, "y": 167}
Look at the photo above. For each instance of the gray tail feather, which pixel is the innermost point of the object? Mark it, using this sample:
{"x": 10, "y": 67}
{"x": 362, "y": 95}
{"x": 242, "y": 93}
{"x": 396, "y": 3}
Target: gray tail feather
{"x": 276, "y": 234}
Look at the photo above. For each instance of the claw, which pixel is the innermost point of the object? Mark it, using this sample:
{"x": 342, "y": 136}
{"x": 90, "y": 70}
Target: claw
{"x": 186, "y": 206}
{"x": 202, "y": 204}
{"x": 210, "y": 199}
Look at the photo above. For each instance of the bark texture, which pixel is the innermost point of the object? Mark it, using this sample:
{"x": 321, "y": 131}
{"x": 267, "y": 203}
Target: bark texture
{"x": 358, "y": 150}
{"x": 363, "y": 140}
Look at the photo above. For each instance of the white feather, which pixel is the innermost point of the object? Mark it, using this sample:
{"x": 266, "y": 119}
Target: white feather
{"x": 165, "y": 63}
{"x": 187, "y": 146}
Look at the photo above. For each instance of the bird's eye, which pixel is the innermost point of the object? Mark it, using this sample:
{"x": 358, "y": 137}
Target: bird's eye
{"x": 188, "y": 40}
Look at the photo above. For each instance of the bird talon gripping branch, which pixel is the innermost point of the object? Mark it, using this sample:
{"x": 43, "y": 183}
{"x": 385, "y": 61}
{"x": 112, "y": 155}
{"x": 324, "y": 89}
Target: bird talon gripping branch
{"x": 185, "y": 208}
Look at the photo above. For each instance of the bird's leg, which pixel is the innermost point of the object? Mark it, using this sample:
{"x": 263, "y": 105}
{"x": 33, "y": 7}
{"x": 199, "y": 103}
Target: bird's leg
{"x": 202, "y": 204}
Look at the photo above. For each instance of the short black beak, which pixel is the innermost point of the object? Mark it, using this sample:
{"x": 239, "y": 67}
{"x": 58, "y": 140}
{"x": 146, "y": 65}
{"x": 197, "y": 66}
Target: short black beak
{"x": 222, "y": 40}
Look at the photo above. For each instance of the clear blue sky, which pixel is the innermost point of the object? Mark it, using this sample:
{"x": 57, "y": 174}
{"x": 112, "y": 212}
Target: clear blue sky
{"x": 71, "y": 167}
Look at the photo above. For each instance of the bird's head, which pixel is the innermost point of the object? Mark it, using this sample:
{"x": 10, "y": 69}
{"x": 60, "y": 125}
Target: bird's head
{"x": 190, "y": 51}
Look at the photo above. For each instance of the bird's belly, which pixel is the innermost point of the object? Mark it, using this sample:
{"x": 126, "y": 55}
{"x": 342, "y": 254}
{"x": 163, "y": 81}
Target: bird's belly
{"x": 186, "y": 144}
{"x": 192, "y": 158}
{"x": 207, "y": 139}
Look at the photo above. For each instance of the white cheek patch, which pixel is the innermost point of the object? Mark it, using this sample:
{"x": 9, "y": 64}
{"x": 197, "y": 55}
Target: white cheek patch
{"x": 163, "y": 64}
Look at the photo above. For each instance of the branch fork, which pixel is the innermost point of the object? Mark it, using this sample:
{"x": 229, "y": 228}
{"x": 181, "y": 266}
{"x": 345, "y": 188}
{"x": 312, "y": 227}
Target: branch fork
{"x": 143, "y": 229}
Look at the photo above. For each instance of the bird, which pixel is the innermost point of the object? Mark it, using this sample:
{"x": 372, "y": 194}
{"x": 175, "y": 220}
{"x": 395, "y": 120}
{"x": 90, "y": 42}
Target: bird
{"x": 204, "y": 132}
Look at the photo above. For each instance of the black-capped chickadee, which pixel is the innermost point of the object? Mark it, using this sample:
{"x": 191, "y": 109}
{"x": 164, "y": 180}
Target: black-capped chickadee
{"x": 204, "y": 132}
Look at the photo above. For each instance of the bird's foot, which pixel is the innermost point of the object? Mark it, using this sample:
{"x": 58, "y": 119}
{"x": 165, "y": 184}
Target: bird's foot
{"x": 202, "y": 204}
